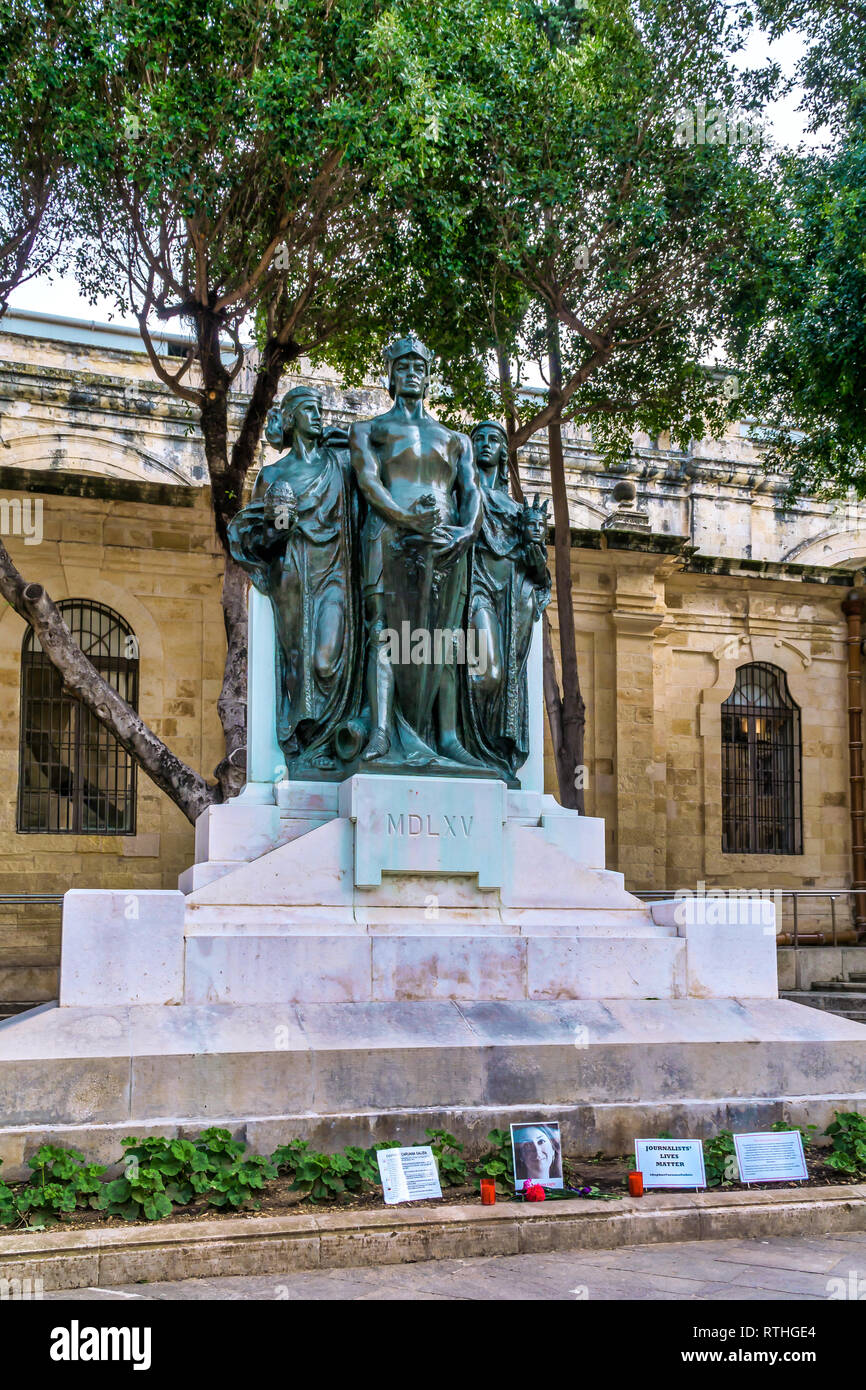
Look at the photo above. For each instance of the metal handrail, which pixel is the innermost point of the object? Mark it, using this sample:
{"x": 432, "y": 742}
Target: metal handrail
{"x": 31, "y": 898}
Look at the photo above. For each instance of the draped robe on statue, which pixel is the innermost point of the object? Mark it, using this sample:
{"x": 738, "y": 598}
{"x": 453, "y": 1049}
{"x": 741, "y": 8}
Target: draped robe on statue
{"x": 308, "y": 571}
{"x": 496, "y": 715}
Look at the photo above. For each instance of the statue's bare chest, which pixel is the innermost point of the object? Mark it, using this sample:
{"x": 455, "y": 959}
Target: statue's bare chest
{"x": 416, "y": 452}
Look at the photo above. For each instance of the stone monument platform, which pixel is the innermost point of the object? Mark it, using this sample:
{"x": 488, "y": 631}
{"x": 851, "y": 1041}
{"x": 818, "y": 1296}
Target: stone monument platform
{"x": 431, "y": 941}
{"x": 360, "y": 961}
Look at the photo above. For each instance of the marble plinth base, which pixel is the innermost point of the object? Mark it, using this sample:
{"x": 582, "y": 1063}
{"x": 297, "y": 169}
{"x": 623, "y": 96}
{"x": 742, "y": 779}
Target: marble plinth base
{"x": 264, "y": 817}
{"x": 473, "y": 904}
{"x": 497, "y": 970}
{"x": 345, "y": 1073}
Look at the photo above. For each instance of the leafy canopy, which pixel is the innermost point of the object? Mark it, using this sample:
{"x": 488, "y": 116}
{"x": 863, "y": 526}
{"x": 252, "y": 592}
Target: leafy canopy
{"x": 806, "y": 350}
{"x": 252, "y": 157}
{"x": 575, "y": 193}
{"x": 50, "y": 62}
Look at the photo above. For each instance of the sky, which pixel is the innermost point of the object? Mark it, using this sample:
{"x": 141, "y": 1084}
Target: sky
{"x": 60, "y": 295}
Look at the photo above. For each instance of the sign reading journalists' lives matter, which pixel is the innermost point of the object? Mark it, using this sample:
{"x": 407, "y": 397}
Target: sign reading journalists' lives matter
{"x": 408, "y": 1175}
{"x": 671, "y": 1162}
{"x": 771, "y": 1157}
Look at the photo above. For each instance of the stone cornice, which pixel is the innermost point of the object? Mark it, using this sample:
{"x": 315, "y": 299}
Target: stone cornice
{"x": 689, "y": 561}
{"x": 638, "y": 622}
{"x": 67, "y": 386}
{"x": 61, "y": 482}
{"x": 769, "y": 569}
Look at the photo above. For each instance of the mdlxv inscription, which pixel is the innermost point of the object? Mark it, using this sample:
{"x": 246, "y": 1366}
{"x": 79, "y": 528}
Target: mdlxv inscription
{"x": 413, "y": 824}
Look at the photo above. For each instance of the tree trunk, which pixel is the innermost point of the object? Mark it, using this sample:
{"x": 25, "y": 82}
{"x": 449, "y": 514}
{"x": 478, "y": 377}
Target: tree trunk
{"x": 507, "y": 395}
{"x": 232, "y": 702}
{"x": 228, "y": 472}
{"x": 566, "y": 711}
{"x": 187, "y": 789}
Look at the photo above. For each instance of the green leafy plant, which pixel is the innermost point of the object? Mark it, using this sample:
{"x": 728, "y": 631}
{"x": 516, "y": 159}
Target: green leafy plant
{"x": 156, "y": 1178}
{"x": 9, "y": 1213}
{"x": 497, "y": 1163}
{"x": 328, "y": 1177}
{"x": 62, "y": 1181}
{"x": 231, "y": 1177}
{"x": 806, "y": 1131}
{"x": 720, "y": 1160}
{"x": 453, "y": 1170}
{"x": 163, "y": 1173}
{"x": 848, "y": 1132}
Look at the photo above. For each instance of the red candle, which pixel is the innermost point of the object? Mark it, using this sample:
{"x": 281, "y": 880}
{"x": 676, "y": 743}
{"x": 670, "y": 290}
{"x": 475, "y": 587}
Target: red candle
{"x": 635, "y": 1184}
{"x": 488, "y": 1192}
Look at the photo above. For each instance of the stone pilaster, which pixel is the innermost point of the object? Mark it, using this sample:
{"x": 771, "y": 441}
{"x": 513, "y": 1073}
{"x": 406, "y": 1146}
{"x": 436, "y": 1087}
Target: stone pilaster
{"x": 637, "y": 616}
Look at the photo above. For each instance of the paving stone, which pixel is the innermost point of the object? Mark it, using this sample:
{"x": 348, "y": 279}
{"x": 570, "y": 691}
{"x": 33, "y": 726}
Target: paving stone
{"x": 722, "y": 1293}
{"x": 784, "y": 1269}
{"x": 694, "y": 1261}
{"x": 783, "y": 1254}
{"x": 781, "y": 1280}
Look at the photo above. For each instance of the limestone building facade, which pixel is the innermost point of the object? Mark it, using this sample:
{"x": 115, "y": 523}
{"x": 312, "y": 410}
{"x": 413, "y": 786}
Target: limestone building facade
{"x": 711, "y": 639}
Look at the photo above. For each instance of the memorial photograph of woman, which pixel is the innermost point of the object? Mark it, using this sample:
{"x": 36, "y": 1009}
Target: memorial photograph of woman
{"x": 537, "y": 1151}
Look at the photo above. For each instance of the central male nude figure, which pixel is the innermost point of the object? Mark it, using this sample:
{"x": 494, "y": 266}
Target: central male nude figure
{"x": 424, "y": 510}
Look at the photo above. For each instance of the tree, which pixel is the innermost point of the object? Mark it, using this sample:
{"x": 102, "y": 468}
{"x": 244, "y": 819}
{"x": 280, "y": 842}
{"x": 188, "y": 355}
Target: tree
{"x": 52, "y": 64}
{"x": 246, "y": 160}
{"x": 40, "y": 57}
{"x": 831, "y": 72}
{"x": 805, "y": 348}
{"x": 604, "y": 222}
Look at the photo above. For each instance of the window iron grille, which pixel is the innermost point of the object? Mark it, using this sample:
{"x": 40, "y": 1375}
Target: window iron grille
{"x": 74, "y": 778}
{"x": 761, "y": 765}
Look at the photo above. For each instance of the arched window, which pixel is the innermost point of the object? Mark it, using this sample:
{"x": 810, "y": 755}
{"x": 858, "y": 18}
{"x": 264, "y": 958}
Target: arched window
{"x": 761, "y": 799}
{"x": 74, "y": 777}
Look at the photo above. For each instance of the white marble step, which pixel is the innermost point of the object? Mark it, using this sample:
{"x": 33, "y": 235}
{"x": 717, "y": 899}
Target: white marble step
{"x": 355, "y": 967}
{"x": 264, "y": 920}
{"x": 606, "y": 1069}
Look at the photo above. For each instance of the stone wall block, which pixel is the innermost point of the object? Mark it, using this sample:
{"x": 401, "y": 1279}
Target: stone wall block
{"x": 122, "y": 948}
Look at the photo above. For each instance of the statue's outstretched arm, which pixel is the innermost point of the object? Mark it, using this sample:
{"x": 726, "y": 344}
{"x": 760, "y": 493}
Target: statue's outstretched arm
{"x": 248, "y": 543}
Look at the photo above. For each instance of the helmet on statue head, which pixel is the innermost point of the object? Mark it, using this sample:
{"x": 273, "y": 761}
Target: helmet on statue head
{"x": 410, "y": 346}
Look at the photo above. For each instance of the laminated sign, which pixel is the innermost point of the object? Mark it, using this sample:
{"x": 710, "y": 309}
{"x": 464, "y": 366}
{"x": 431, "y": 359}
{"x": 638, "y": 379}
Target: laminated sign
{"x": 670, "y": 1162}
{"x": 771, "y": 1157}
{"x": 408, "y": 1175}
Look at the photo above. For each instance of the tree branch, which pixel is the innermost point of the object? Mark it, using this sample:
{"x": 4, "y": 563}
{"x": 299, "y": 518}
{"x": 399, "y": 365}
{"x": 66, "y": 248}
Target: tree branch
{"x": 187, "y": 788}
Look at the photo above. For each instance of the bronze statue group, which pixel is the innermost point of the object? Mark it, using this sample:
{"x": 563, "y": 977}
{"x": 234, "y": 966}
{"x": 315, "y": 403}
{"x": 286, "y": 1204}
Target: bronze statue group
{"x": 405, "y": 583}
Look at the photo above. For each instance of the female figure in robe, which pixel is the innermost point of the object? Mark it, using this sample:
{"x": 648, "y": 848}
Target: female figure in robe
{"x": 298, "y": 540}
{"x": 509, "y": 588}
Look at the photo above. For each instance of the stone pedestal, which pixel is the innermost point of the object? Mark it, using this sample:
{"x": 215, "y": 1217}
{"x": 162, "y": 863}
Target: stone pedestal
{"x": 504, "y": 976}
{"x": 427, "y": 888}
{"x": 607, "y": 1070}
{"x": 360, "y": 961}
